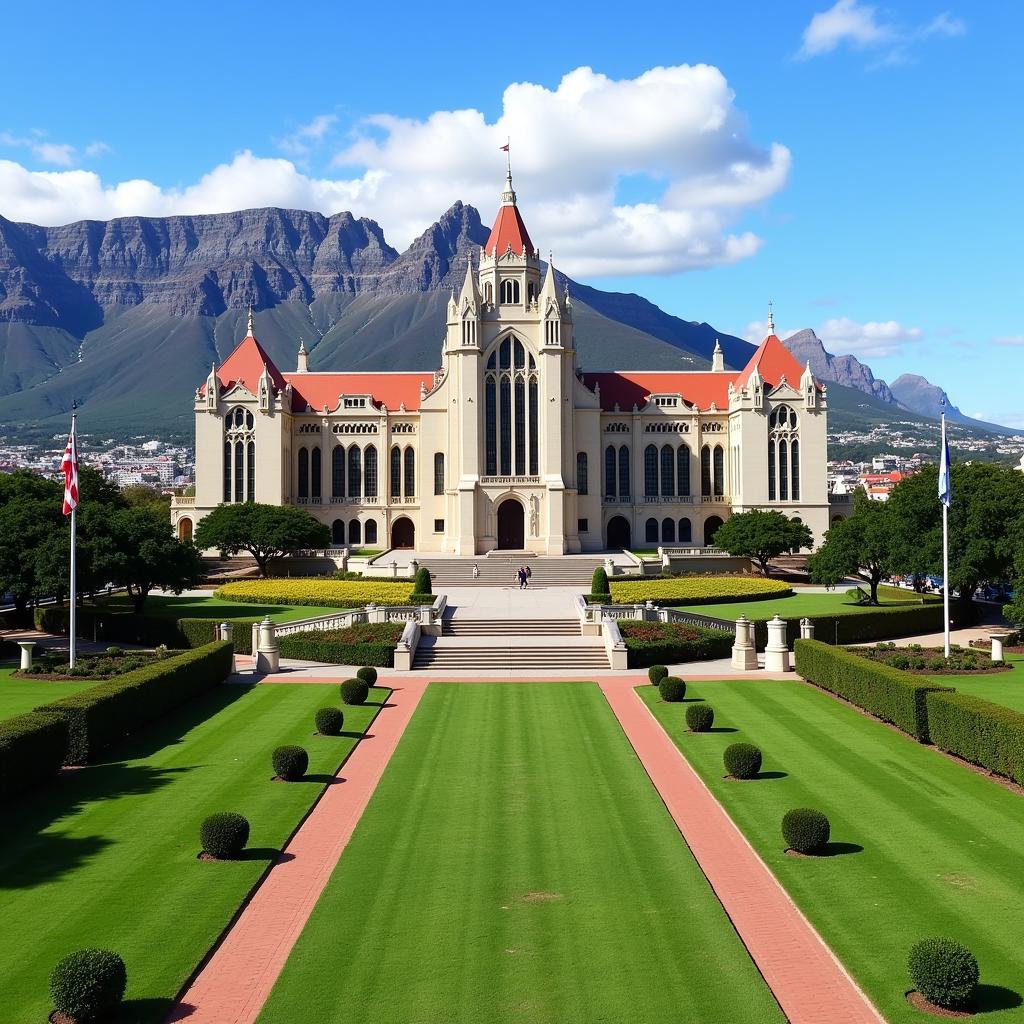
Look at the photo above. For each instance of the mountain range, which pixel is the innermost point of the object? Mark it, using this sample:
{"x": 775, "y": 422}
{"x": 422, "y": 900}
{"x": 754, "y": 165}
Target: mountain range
{"x": 126, "y": 316}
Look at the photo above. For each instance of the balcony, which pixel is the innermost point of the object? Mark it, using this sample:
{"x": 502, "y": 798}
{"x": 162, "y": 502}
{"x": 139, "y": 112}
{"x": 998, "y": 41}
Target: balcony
{"x": 509, "y": 481}
{"x": 183, "y": 500}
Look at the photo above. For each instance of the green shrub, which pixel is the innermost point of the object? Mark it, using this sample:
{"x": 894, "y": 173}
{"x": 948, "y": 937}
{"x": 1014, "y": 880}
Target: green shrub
{"x": 421, "y": 581}
{"x": 861, "y": 625}
{"x": 650, "y": 643}
{"x": 805, "y": 830}
{"x": 666, "y": 591}
{"x": 354, "y": 691}
{"x": 102, "y": 623}
{"x": 882, "y": 691}
{"x": 672, "y": 689}
{"x": 656, "y": 673}
{"x": 980, "y": 732}
{"x": 223, "y": 835}
{"x": 197, "y": 632}
{"x": 109, "y": 711}
{"x": 290, "y": 763}
{"x": 365, "y": 643}
{"x": 599, "y": 583}
{"x": 88, "y": 985}
{"x": 699, "y": 717}
{"x": 33, "y": 747}
{"x": 944, "y": 972}
{"x": 114, "y": 652}
{"x": 329, "y": 721}
{"x": 742, "y": 760}
{"x": 368, "y": 674}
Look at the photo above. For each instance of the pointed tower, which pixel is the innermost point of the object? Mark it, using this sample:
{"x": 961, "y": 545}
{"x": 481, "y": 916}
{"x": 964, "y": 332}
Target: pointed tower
{"x": 717, "y": 359}
{"x": 303, "y": 362}
{"x": 469, "y": 308}
{"x": 509, "y": 263}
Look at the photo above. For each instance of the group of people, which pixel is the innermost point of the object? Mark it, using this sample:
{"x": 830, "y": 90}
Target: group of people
{"x": 523, "y": 574}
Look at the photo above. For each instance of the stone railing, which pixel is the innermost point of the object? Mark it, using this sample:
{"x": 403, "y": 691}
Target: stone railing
{"x": 405, "y": 650}
{"x": 595, "y": 614}
{"x": 690, "y": 552}
{"x": 510, "y": 480}
{"x": 183, "y": 500}
{"x": 426, "y": 616}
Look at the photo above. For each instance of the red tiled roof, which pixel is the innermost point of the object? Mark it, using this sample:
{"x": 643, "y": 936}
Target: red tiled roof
{"x": 508, "y": 229}
{"x": 388, "y": 389}
{"x": 773, "y": 361}
{"x": 633, "y": 387}
{"x": 245, "y": 366}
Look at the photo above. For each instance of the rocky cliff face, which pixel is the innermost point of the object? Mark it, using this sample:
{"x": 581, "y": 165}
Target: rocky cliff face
{"x": 846, "y": 370}
{"x": 920, "y": 395}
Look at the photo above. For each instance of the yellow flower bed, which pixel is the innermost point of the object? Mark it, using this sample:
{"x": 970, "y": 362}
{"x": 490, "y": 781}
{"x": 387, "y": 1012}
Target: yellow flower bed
{"x": 696, "y": 589}
{"x": 322, "y": 593}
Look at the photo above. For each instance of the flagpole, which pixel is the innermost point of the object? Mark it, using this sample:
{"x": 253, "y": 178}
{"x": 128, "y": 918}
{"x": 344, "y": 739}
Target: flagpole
{"x": 945, "y": 547}
{"x": 74, "y": 587}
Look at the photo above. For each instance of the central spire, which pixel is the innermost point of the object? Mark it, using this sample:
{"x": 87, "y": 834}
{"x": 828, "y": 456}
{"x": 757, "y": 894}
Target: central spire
{"x": 509, "y": 231}
{"x": 508, "y": 197}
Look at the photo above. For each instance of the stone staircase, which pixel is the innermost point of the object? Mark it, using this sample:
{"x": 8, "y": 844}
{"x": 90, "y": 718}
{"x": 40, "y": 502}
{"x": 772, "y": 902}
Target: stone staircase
{"x": 500, "y": 571}
{"x": 456, "y": 626}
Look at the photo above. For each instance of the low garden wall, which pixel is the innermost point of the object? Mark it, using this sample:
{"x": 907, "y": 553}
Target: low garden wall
{"x": 666, "y": 643}
{"x": 873, "y": 622}
{"x": 33, "y": 747}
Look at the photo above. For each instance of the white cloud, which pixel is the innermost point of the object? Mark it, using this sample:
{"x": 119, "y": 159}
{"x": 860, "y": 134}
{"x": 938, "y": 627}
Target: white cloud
{"x": 95, "y": 149}
{"x": 757, "y": 330}
{"x": 307, "y": 136}
{"x": 859, "y": 26}
{"x": 61, "y": 154}
{"x": 571, "y": 145}
{"x": 1009, "y": 339}
{"x": 878, "y": 339}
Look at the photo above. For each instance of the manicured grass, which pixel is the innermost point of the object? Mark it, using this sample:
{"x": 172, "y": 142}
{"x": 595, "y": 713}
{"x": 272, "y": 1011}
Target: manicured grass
{"x": 171, "y": 607}
{"x": 106, "y": 855}
{"x": 941, "y": 844}
{"x": 1006, "y": 688}
{"x": 20, "y": 695}
{"x": 516, "y": 864}
{"x": 797, "y": 605}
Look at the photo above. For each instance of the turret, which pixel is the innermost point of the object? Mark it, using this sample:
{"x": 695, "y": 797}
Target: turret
{"x": 303, "y": 362}
{"x": 717, "y": 359}
{"x": 509, "y": 263}
{"x": 212, "y": 389}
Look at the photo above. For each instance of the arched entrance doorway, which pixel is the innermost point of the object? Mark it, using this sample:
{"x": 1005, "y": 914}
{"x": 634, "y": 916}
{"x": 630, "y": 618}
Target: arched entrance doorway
{"x": 337, "y": 532}
{"x": 403, "y": 533}
{"x": 711, "y": 526}
{"x": 619, "y": 533}
{"x": 511, "y": 533}
{"x": 185, "y": 529}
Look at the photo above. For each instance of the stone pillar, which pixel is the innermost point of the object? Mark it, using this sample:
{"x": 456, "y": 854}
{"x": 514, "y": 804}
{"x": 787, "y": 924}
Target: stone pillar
{"x": 268, "y": 657}
{"x": 609, "y": 566}
{"x": 806, "y": 629}
{"x": 744, "y": 654}
{"x": 413, "y": 566}
{"x": 776, "y": 653}
{"x": 255, "y": 638}
{"x": 996, "y": 638}
{"x": 226, "y": 631}
{"x": 26, "y": 654}
{"x": 376, "y": 613}
{"x": 394, "y": 569}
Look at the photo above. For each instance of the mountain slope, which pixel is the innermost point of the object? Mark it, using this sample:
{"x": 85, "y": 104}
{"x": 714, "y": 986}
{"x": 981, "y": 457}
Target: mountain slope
{"x": 846, "y": 370}
{"x": 920, "y": 395}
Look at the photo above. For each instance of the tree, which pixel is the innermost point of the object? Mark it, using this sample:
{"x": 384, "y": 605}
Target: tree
{"x": 861, "y": 544}
{"x": 30, "y": 514}
{"x": 146, "y": 494}
{"x": 148, "y": 555}
{"x": 762, "y": 536}
{"x": 265, "y": 531}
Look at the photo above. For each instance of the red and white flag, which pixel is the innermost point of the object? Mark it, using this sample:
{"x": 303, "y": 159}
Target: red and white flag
{"x": 69, "y": 465}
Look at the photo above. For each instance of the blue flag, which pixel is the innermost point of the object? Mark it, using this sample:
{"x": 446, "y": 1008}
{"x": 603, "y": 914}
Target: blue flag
{"x": 945, "y": 482}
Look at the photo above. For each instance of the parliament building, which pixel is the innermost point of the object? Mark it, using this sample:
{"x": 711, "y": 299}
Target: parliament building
{"x": 508, "y": 445}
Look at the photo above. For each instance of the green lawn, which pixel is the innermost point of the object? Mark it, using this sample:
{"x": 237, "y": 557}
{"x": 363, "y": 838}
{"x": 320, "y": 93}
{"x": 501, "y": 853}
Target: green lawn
{"x": 799, "y": 604}
{"x": 172, "y": 607}
{"x": 106, "y": 855}
{"x": 1006, "y": 688}
{"x": 20, "y": 695}
{"x": 941, "y": 844}
{"x": 516, "y": 865}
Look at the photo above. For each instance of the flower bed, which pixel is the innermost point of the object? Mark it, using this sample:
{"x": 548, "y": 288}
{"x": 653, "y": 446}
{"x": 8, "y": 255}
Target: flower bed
{"x": 932, "y": 660}
{"x": 92, "y": 666}
{"x": 365, "y": 643}
{"x": 656, "y": 643}
{"x": 696, "y": 590}
{"x": 318, "y": 591}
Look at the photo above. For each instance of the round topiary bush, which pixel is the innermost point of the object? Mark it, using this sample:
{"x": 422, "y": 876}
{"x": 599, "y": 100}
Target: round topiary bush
{"x": 656, "y": 673}
{"x": 224, "y": 835}
{"x": 599, "y": 583}
{"x": 944, "y": 972}
{"x": 672, "y": 689}
{"x": 699, "y": 717}
{"x": 89, "y": 984}
{"x": 329, "y": 721}
{"x": 742, "y": 760}
{"x": 805, "y": 830}
{"x": 354, "y": 691}
{"x": 421, "y": 582}
{"x": 290, "y": 763}
{"x": 368, "y": 674}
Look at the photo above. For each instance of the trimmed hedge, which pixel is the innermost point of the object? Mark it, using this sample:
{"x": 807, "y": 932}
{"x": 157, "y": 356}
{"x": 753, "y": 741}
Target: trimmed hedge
{"x": 983, "y": 733}
{"x": 887, "y": 693}
{"x": 354, "y": 691}
{"x": 867, "y": 624}
{"x": 290, "y": 763}
{"x": 104, "y": 714}
{"x": 656, "y": 673}
{"x": 599, "y": 583}
{"x": 318, "y": 591}
{"x": 944, "y": 972}
{"x": 32, "y": 747}
{"x": 197, "y": 632}
{"x": 699, "y": 717}
{"x": 805, "y": 830}
{"x": 672, "y": 689}
{"x": 88, "y": 985}
{"x": 223, "y": 835}
{"x": 654, "y": 643}
{"x": 673, "y": 590}
{"x": 105, "y": 624}
{"x": 329, "y": 721}
{"x": 365, "y": 643}
{"x": 742, "y": 760}
{"x": 421, "y": 581}
{"x": 368, "y": 674}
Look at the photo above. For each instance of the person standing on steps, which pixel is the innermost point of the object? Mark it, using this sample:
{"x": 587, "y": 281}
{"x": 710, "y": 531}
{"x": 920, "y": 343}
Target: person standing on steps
{"x": 529, "y": 573}
{"x": 476, "y": 571}
{"x": 522, "y": 577}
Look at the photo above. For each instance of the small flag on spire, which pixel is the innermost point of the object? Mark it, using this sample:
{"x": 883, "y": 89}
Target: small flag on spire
{"x": 69, "y": 466}
{"x": 504, "y": 148}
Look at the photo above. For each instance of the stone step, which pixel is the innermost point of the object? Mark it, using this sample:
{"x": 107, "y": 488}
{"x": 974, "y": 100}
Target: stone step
{"x": 511, "y": 627}
{"x": 494, "y": 659}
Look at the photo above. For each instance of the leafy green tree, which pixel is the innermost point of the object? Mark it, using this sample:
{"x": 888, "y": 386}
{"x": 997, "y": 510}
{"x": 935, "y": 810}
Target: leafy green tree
{"x": 146, "y": 494}
{"x": 265, "y": 531}
{"x": 762, "y": 536}
{"x": 30, "y": 513}
{"x": 861, "y": 544}
{"x": 916, "y": 523}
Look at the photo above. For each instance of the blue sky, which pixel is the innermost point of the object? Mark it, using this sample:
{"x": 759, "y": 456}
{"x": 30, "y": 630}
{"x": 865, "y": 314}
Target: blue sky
{"x": 859, "y": 164}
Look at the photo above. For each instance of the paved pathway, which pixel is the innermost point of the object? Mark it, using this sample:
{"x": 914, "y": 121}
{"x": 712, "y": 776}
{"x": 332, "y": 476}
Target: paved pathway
{"x": 236, "y": 980}
{"x": 808, "y": 981}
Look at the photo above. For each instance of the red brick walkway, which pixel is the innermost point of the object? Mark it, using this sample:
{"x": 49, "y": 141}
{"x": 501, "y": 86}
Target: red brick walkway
{"x": 234, "y": 983}
{"x": 808, "y": 981}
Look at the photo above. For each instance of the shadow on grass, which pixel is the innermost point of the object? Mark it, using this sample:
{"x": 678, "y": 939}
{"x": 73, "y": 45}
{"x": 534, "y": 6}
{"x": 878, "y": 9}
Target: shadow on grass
{"x": 990, "y": 998}
{"x": 765, "y": 776}
{"x": 840, "y": 849}
{"x": 144, "y": 1011}
{"x": 47, "y": 856}
{"x": 721, "y": 728}
{"x": 321, "y": 779}
{"x": 267, "y": 853}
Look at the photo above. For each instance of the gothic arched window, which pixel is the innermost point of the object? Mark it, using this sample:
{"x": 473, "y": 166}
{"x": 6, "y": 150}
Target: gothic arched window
{"x": 338, "y": 472}
{"x": 370, "y": 471}
{"x": 303, "y": 472}
{"x": 439, "y": 472}
{"x": 668, "y": 471}
{"x": 609, "y": 472}
{"x": 581, "y": 473}
{"x": 315, "y": 474}
{"x": 410, "y": 472}
{"x": 396, "y": 472}
{"x": 355, "y": 471}
{"x": 683, "y": 471}
{"x": 783, "y": 454}
{"x": 651, "y": 471}
{"x": 624, "y": 486}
